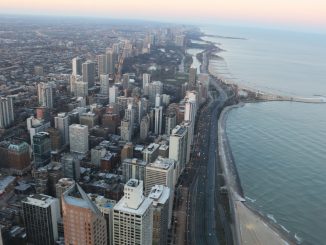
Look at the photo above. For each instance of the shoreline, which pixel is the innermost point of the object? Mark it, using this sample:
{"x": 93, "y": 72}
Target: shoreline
{"x": 234, "y": 199}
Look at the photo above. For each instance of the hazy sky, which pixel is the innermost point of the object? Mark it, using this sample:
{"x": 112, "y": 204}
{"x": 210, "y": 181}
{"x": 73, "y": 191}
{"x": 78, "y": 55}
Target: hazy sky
{"x": 305, "y": 13}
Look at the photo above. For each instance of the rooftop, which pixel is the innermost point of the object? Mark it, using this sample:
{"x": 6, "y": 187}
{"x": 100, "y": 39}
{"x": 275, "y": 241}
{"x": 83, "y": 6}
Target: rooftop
{"x": 133, "y": 183}
{"x": 151, "y": 148}
{"x": 162, "y": 163}
{"x": 39, "y": 200}
{"x": 160, "y": 194}
{"x": 122, "y": 206}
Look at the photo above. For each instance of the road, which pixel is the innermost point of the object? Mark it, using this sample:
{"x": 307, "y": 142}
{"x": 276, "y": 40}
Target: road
{"x": 203, "y": 213}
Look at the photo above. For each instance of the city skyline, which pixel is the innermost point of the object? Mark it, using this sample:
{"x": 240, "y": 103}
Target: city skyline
{"x": 296, "y": 15}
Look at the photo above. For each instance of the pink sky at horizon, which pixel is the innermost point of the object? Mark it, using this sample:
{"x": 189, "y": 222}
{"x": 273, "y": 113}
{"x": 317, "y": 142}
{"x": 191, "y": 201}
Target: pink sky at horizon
{"x": 278, "y": 12}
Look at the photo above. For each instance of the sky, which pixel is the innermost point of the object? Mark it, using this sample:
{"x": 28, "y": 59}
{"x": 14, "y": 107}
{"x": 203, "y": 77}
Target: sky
{"x": 296, "y": 13}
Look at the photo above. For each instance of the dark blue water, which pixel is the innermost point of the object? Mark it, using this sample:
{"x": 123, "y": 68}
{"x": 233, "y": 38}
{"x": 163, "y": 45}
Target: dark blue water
{"x": 280, "y": 147}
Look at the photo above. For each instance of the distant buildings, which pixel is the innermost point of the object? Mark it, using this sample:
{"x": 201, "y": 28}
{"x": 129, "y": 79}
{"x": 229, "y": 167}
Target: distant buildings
{"x": 146, "y": 80}
{"x": 6, "y": 111}
{"x": 133, "y": 216}
{"x": 154, "y": 88}
{"x": 105, "y": 84}
{"x": 45, "y": 94}
{"x": 41, "y": 214}
{"x": 88, "y": 71}
{"x": 77, "y": 66}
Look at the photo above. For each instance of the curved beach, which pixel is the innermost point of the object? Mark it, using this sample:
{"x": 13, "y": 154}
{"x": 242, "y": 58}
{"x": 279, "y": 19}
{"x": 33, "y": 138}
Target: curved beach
{"x": 250, "y": 227}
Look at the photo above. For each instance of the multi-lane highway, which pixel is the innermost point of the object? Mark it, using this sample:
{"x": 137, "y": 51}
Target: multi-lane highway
{"x": 204, "y": 196}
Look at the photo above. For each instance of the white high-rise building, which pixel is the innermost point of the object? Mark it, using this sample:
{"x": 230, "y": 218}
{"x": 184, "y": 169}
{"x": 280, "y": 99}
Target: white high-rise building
{"x": 161, "y": 172}
{"x": 78, "y": 137}
{"x": 158, "y": 112}
{"x": 77, "y": 66}
{"x": 6, "y": 111}
{"x": 45, "y": 96}
{"x": 146, "y": 79}
{"x": 88, "y": 69}
{"x": 158, "y": 100}
{"x": 133, "y": 216}
{"x": 113, "y": 94}
{"x": 178, "y": 147}
{"x": 105, "y": 84}
{"x": 61, "y": 122}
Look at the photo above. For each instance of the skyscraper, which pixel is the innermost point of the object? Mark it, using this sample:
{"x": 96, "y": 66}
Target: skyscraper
{"x": 41, "y": 214}
{"x": 113, "y": 94}
{"x": 146, "y": 79}
{"x": 158, "y": 120}
{"x": 133, "y": 216}
{"x": 102, "y": 65}
{"x": 161, "y": 172}
{"x": 144, "y": 127}
{"x": 6, "y": 111}
{"x": 78, "y": 137}
{"x": 154, "y": 88}
{"x": 170, "y": 122}
{"x": 105, "y": 84}
{"x": 73, "y": 80}
{"x": 160, "y": 195}
{"x": 125, "y": 130}
{"x": 77, "y": 66}
{"x": 45, "y": 95}
{"x": 71, "y": 166}
{"x": 83, "y": 222}
{"x": 41, "y": 149}
{"x": 61, "y": 122}
{"x": 178, "y": 147}
{"x": 111, "y": 59}
{"x": 88, "y": 69}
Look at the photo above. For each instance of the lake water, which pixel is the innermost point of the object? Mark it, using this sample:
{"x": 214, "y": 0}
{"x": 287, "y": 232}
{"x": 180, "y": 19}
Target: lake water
{"x": 279, "y": 147}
